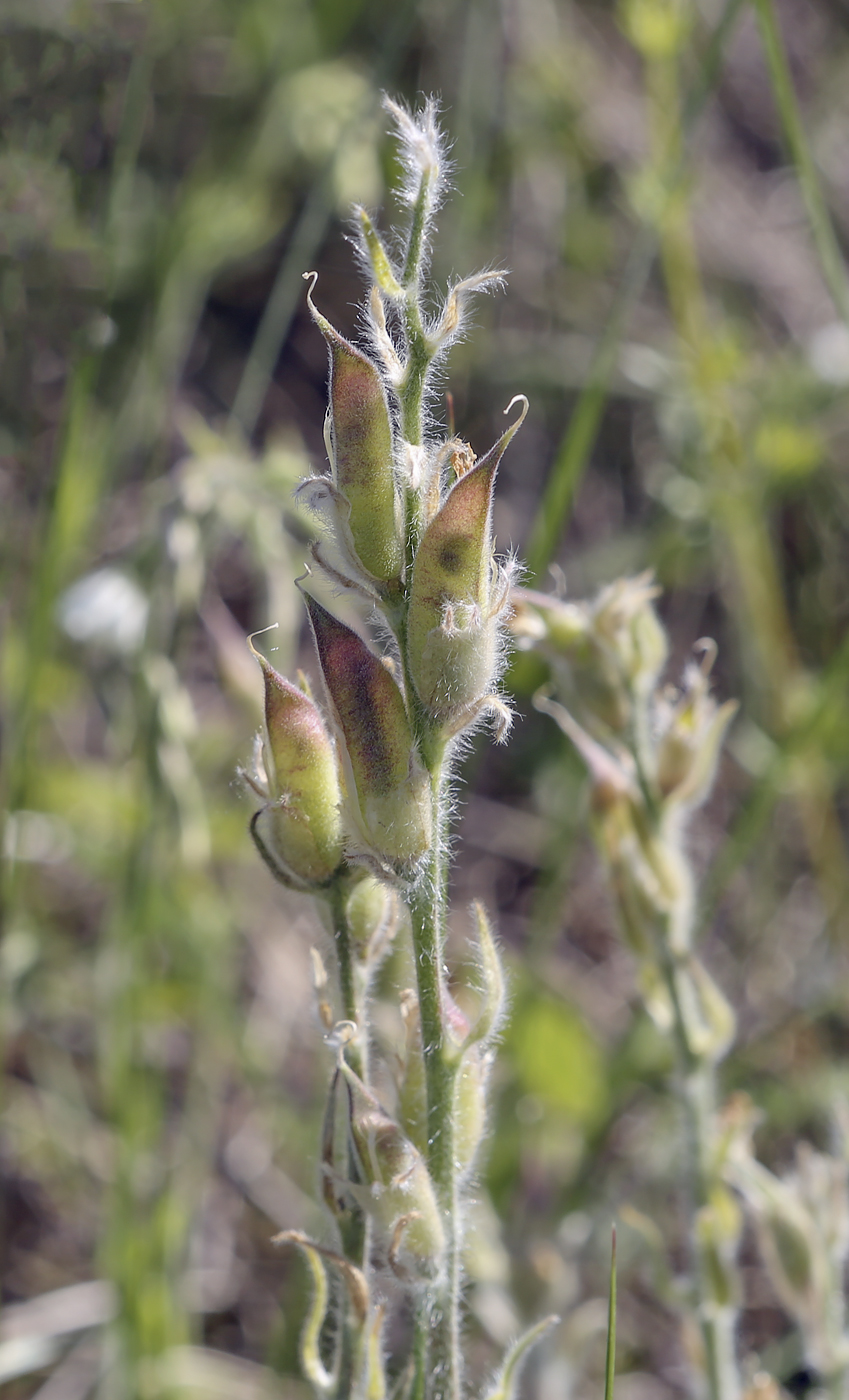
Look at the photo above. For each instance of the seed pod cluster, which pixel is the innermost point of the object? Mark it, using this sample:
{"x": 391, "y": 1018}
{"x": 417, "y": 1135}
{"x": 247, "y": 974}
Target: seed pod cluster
{"x": 354, "y": 792}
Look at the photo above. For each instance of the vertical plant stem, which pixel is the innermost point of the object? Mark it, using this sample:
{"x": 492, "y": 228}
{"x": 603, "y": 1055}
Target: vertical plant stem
{"x": 427, "y": 906}
{"x": 356, "y": 1231}
{"x": 698, "y": 1093}
{"x": 758, "y": 600}
{"x": 353, "y": 1009}
{"x": 696, "y": 1077}
{"x": 580, "y": 436}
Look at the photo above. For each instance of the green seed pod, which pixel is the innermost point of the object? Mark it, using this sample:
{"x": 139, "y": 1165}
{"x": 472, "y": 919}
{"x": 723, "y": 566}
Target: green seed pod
{"x": 400, "y": 1192}
{"x": 456, "y": 595}
{"x": 303, "y": 830}
{"x": 470, "y": 1106}
{"x": 362, "y": 451}
{"x": 389, "y": 788}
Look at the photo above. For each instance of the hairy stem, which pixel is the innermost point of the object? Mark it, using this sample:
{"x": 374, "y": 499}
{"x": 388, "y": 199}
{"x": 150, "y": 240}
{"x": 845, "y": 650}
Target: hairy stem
{"x": 353, "y": 1008}
{"x": 697, "y": 1088}
{"x": 427, "y": 906}
{"x": 758, "y": 603}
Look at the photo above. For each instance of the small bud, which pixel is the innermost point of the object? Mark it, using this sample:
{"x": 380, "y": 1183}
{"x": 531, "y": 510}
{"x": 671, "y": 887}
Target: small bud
{"x": 303, "y": 833}
{"x": 389, "y": 788}
{"x": 692, "y": 729}
{"x": 451, "y": 321}
{"x": 400, "y": 1190}
{"x": 708, "y": 1019}
{"x": 362, "y": 457}
{"x": 456, "y": 596}
{"x": 470, "y": 1106}
{"x": 718, "y": 1226}
{"x": 624, "y": 619}
{"x": 492, "y": 989}
{"x": 381, "y": 264}
{"x": 372, "y": 916}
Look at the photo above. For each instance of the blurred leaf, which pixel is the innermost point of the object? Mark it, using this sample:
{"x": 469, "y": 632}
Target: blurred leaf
{"x": 557, "y": 1060}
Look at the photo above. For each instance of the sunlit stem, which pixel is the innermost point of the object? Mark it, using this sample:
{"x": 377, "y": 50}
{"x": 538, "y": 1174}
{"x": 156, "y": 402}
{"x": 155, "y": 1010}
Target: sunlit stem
{"x": 427, "y": 906}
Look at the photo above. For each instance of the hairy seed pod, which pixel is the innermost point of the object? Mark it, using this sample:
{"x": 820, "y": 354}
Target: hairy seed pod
{"x": 304, "y": 823}
{"x": 362, "y": 451}
{"x": 391, "y": 789}
{"x": 456, "y": 595}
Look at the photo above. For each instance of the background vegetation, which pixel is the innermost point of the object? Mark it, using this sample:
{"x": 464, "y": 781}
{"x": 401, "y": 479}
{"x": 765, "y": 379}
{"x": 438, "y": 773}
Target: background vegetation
{"x": 667, "y": 184}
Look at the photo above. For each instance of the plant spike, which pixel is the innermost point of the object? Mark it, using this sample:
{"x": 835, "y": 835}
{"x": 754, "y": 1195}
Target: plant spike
{"x": 405, "y": 528}
{"x": 610, "y": 1354}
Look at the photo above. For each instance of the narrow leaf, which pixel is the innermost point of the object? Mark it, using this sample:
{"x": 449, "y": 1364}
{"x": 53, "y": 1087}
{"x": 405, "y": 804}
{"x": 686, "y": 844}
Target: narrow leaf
{"x": 610, "y": 1360}
{"x": 313, "y": 1367}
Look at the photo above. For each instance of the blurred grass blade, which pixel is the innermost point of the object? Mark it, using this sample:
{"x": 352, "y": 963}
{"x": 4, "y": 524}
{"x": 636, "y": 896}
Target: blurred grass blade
{"x": 577, "y": 443}
{"x": 828, "y": 248}
{"x": 580, "y": 436}
{"x": 307, "y": 237}
{"x": 610, "y": 1359}
{"x": 281, "y": 305}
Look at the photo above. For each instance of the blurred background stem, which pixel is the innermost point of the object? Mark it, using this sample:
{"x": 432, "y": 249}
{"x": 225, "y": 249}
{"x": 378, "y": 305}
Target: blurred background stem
{"x": 754, "y": 590}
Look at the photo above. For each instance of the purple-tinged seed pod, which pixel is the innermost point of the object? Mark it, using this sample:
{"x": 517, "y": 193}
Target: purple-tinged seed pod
{"x": 390, "y": 790}
{"x": 456, "y": 596}
{"x": 362, "y": 450}
{"x": 303, "y": 830}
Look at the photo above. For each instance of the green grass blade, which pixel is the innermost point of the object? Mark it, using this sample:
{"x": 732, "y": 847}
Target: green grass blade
{"x": 580, "y": 436}
{"x": 610, "y": 1360}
